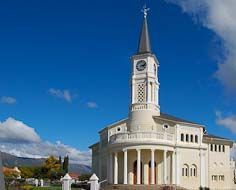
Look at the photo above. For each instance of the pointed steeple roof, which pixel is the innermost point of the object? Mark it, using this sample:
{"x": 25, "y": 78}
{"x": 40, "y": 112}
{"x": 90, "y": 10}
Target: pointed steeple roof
{"x": 144, "y": 42}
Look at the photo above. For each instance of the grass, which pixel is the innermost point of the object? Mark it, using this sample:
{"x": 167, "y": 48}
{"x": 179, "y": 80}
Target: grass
{"x": 51, "y": 188}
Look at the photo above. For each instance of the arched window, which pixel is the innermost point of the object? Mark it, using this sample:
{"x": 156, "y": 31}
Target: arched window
{"x": 196, "y": 139}
{"x": 219, "y": 148}
{"x": 182, "y": 137}
{"x": 215, "y": 148}
{"x": 193, "y": 170}
{"x": 187, "y": 138}
{"x": 185, "y": 170}
{"x": 211, "y": 147}
{"x": 223, "y": 148}
{"x": 191, "y": 138}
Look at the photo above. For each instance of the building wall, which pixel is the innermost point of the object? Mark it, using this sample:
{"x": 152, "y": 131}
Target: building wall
{"x": 189, "y": 158}
{"x": 219, "y": 166}
{"x": 216, "y": 163}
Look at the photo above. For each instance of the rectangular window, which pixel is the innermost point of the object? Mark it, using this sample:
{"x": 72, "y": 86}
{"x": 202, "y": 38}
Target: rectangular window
{"x": 221, "y": 178}
{"x": 214, "y": 177}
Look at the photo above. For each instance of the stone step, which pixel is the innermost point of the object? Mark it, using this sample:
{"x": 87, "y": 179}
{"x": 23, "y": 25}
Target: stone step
{"x": 142, "y": 187}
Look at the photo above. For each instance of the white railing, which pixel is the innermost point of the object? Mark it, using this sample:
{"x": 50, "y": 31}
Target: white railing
{"x": 142, "y": 106}
{"x": 141, "y": 136}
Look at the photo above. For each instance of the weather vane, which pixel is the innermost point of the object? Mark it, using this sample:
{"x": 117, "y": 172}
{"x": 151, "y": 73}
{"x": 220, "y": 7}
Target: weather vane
{"x": 145, "y": 10}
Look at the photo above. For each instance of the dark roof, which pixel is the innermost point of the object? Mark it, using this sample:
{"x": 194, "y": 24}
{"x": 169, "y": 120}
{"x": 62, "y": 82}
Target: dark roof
{"x": 173, "y": 118}
{"x": 144, "y": 41}
{"x": 215, "y": 137}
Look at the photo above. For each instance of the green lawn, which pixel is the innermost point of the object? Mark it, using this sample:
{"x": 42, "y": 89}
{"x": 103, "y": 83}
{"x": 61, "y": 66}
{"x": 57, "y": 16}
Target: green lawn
{"x": 47, "y": 188}
{"x": 51, "y": 188}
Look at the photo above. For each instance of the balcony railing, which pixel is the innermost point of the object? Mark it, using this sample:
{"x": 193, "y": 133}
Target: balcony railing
{"x": 158, "y": 137}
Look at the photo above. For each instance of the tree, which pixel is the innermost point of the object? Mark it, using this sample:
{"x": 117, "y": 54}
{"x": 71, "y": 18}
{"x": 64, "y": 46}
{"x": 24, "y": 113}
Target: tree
{"x": 66, "y": 164}
{"x": 52, "y": 168}
{"x": 60, "y": 160}
{"x": 27, "y": 172}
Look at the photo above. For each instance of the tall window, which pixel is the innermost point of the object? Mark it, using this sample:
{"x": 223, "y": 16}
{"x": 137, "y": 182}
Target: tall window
{"x": 196, "y": 139}
{"x": 185, "y": 170}
{"x": 187, "y": 138}
{"x": 219, "y": 148}
{"x": 182, "y": 137}
{"x": 141, "y": 92}
{"x": 211, "y": 147}
{"x": 191, "y": 138}
{"x": 223, "y": 148}
{"x": 193, "y": 170}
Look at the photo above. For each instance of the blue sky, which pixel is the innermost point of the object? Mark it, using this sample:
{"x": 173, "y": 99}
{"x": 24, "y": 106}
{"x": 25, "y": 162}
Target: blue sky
{"x": 65, "y": 66}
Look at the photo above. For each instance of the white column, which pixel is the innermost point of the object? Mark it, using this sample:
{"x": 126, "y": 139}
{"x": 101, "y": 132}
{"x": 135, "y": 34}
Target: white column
{"x": 138, "y": 166}
{"x": 152, "y": 166}
{"x": 164, "y": 167}
{"x": 133, "y": 91}
{"x": 203, "y": 169}
{"x": 116, "y": 168}
{"x": 110, "y": 175}
{"x": 153, "y": 92}
{"x": 177, "y": 168}
{"x": 125, "y": 166}
{"x": 147, "y": 91}
{"x": 173, "y": 167}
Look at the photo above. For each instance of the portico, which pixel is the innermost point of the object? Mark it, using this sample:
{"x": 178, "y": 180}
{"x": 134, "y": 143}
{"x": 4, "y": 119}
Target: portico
{"x": 142, "y": 165}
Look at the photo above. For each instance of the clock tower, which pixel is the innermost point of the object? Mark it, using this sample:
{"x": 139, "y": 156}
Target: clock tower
{"x": 144, "y": 84}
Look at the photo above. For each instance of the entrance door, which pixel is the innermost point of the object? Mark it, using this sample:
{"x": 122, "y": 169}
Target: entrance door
{"x": 135, "y": 172}
{"x": 150, "y": 172}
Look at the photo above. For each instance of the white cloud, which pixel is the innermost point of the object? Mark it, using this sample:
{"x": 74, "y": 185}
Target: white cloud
{"x": 218, "y": 16}
{"x": 45, "y": 149}
{"x": 92, "y": 105}
{"x": 228, "y": 122}
{"x": 12, "y": 130}
{"x": 63, "y": 94}
{"x": 21, "y": 140}
{"x": 7, "y": 100}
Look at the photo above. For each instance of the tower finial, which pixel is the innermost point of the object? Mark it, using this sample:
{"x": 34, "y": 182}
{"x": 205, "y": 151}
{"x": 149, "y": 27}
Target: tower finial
{"x": 144, "y": 42}
{"x": 145, "y": 10}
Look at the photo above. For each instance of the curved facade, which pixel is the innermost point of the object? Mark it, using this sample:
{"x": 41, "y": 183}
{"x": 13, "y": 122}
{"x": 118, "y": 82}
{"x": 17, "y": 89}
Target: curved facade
{"x": 153, "y": 148}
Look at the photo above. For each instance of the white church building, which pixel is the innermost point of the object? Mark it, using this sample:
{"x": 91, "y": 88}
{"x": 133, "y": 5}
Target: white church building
{"x": 151, "y": 148}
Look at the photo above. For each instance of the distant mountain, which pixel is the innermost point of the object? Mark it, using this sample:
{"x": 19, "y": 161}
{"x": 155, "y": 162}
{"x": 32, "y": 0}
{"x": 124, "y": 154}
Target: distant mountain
{"x": 9, "y": 160}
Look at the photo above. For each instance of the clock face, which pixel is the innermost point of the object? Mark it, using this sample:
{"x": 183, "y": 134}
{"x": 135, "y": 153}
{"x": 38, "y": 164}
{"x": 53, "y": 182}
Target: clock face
{"x": 141, "y": 65}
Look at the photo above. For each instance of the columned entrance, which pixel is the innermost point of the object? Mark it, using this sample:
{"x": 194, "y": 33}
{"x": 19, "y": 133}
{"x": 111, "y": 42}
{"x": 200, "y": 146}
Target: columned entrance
{"x": 143, "y": 166}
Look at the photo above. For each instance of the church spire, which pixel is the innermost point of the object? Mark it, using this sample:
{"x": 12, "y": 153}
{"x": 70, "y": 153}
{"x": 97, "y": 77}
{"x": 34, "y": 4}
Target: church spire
{"x": 144, "y": 42}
